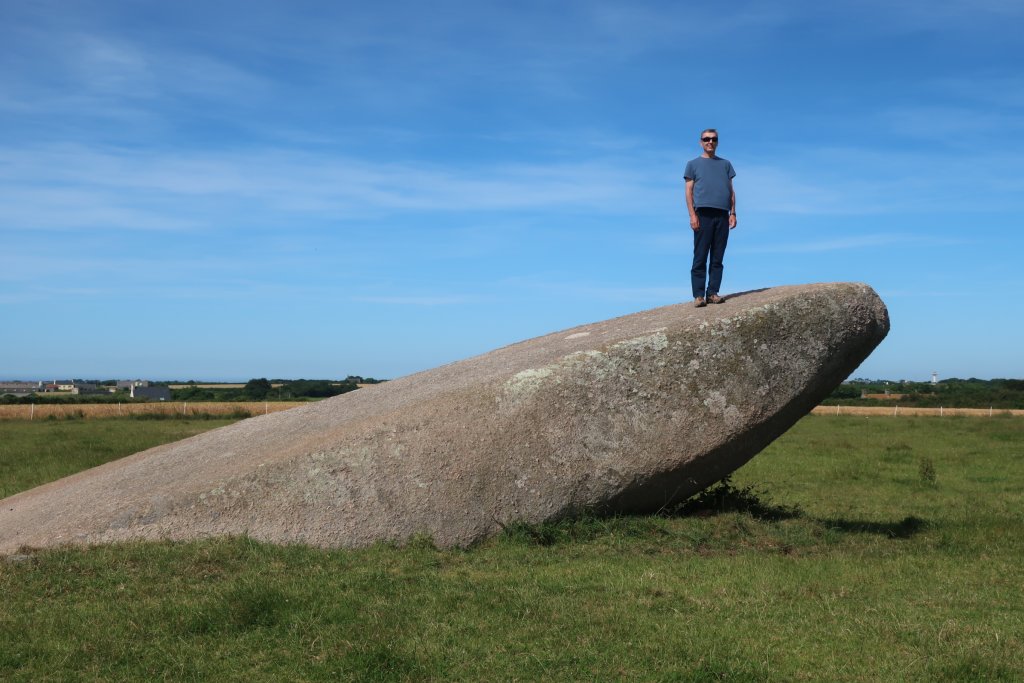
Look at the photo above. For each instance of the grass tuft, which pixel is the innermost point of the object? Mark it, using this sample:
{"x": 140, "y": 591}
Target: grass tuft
{"x": 244, "y": 605}
{"x": 926, "y": 470}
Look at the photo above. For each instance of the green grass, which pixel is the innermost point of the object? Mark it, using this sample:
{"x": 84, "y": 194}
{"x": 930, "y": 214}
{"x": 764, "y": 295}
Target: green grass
{"x": 836, "y": 554}
{"x": 35, "y": 452}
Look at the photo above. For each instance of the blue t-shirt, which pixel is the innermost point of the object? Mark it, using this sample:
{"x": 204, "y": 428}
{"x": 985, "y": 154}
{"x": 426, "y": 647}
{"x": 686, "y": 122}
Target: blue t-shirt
{"x": 710, "y": 176}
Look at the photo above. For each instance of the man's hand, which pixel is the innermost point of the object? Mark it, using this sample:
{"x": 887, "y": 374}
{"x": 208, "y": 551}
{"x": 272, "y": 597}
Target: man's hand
{"x": 732, "y": 221}
{"x": 694, "y": 222}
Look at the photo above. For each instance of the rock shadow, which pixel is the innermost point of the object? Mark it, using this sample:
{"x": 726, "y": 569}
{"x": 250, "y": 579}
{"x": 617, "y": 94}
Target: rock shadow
{"x": 724, "y": 497}
{"x": 740, "y": 295}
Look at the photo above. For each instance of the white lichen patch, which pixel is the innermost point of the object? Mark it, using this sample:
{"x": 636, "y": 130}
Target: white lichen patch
{"x": 649, "y": 342}
{"x": 527, "y": 382}
{"x": 717, "y": 404}
{"x": 219, "y": 491}
{"x": 598, "y": 365}
{"x": 577, "y": 335}
{"x": 581, "y": 357}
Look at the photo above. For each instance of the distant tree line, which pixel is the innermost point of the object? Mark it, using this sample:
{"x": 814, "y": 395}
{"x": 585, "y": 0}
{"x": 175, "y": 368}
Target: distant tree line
{"x": 1005, "y": 394}
{"x": 261, "y": 389}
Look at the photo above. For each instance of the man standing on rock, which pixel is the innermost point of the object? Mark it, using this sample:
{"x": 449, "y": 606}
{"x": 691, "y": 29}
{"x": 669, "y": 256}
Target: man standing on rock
{"x": 712, "y": 204}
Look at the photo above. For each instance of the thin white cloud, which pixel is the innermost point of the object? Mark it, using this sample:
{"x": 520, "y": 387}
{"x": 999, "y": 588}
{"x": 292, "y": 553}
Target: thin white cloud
{"x": 959, "y": 15}
{"x": 928, "y": 293}
{"x": 879, "y": 179}
{"x": 56, "y": 208}
{"x": 365, "y": 57}
{"x": 839, "y": 244}
{"x": 644, "y": 295}
{"x": 75, "y": 187}
{"x": 72, "y": 187}
{"x": 42, "y": 293}
{"x": 999, "y": 87}
{"x": 105, "y": 65}
{"x": 682, "y": 242}
{"x": 948, "y": 126}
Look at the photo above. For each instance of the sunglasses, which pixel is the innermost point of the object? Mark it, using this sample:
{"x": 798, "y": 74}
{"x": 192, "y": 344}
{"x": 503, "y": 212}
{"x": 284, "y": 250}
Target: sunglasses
{"x": 709, "y": 139}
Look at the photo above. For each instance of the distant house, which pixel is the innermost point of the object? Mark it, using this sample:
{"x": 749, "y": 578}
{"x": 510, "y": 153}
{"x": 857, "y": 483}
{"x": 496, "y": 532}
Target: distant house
{"x": 151, "y": 393}
{"x": 129, "y": 383}
{"x": 19, "y": 388}
{"x": 80, "y": 388}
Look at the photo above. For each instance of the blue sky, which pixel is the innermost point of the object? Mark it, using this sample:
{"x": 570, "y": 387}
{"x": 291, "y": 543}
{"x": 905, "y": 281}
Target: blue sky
{"x": 318, "y": 189}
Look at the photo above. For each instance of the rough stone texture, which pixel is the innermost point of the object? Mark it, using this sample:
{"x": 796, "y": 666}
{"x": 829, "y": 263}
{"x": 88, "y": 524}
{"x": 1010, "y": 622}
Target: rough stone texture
{"x": 628, "y": 414}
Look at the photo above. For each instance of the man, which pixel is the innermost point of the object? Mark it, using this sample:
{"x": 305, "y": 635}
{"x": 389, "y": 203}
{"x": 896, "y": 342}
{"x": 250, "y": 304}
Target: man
{"x": 712, "y": 204}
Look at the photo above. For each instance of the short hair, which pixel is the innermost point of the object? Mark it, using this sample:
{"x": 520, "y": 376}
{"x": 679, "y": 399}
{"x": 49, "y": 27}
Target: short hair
{"x": 708, "y": 130}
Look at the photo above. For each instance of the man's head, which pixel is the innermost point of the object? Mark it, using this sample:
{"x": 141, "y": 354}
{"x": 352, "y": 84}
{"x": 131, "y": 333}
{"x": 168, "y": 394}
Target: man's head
{"x": 709, "y": 141}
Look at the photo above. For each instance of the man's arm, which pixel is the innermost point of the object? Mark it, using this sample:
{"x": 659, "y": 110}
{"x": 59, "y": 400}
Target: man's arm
{"x": 694, "y": 220}
{"x": 732, "y": 206}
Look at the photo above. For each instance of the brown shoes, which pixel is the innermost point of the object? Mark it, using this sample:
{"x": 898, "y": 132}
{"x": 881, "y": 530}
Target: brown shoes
{"x": 699, "y": 302}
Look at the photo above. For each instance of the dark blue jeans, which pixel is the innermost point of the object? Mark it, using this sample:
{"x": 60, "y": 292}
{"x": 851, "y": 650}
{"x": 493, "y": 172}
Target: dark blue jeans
{"x": 709, "y": 240}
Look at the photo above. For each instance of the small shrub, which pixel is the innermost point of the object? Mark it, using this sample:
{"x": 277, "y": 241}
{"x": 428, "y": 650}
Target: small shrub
{"x": 926, "y": 470}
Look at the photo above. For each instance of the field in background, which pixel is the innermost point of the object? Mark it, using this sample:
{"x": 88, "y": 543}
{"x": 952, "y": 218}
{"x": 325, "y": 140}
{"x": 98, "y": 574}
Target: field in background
{"x": 250, "y": 408}
{"x": 236, "y": 409}
{"x": 33, "y": 453}
{"x": 852, "y": 548}
{"x": 897, "y": 411}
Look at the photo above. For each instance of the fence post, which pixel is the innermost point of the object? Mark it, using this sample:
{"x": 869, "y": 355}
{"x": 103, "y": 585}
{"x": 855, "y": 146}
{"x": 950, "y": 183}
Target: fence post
{"x": 266, "y": 408}
{"x": 32, "y": 412}
{"x": 990, "y": 411}
{"x": 940, "y": 411}
{"x": 896, "y": 411}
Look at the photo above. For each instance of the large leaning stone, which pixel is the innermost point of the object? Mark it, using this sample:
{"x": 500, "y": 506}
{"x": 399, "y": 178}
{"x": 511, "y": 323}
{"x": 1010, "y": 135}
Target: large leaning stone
{"x": 629, "y": 414}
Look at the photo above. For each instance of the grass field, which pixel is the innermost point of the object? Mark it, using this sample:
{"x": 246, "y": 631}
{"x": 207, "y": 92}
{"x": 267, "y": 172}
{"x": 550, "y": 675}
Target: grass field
{"x": 74, "y": 411}
{"x": 33, "y": 453}
{"x": 856, "y": 549}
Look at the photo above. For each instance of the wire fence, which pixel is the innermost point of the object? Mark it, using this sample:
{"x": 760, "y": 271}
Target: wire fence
{"x": 898, "y": 411}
